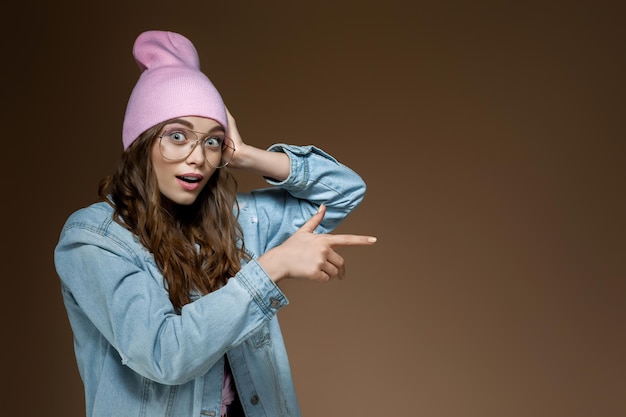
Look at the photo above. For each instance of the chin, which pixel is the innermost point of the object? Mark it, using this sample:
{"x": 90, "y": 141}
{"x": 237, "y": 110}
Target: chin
{"x": 181, "y": 200}
{"x": 185, "y": 201}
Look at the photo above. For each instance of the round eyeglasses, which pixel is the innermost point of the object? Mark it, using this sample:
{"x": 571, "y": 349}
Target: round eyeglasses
{"x": 177, "y": 143}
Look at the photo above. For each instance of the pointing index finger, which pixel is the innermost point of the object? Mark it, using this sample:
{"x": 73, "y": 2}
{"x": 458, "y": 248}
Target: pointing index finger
{"x": 351, "y": 240}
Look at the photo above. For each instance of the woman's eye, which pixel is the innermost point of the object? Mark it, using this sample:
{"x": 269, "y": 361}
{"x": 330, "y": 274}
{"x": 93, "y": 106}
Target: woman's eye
{"x": 213, "y": 142}
{"x": 177, "y": 136}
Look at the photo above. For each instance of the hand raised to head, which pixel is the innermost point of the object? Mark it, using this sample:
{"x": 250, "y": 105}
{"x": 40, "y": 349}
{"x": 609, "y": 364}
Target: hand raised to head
{"x": 309, "y": 255}
{"x": 234, "y": 136}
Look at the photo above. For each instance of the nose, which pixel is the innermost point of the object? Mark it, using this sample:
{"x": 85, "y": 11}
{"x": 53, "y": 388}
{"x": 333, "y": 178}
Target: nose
{"x": 196, "y": 156}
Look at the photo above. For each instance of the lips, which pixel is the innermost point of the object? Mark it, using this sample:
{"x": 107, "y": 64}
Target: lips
{"x": 189, "y": 181}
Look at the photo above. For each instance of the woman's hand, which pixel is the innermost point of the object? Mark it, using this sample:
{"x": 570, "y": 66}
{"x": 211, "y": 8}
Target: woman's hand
{"x": 309, "y": 255}
{"x": 275, "y": 165}
{"x": 237, "y": 142}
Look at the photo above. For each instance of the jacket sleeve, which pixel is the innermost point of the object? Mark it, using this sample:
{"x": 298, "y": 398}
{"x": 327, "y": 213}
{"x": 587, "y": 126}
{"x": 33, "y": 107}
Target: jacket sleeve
{"x": 110, "y": 289}
{"x": 315, "y": 178}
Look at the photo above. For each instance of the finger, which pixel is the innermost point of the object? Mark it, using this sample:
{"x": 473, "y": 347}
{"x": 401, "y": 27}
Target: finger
{"x": 330, "y": 270}
{"x": 336, "y": 264}
{"x": 350, "y": 240}
{"x": 315, "y": 220}
{"x": 335, "y": 259}
{"x": 232, "y": 126}
{"x": 324, "y": 276}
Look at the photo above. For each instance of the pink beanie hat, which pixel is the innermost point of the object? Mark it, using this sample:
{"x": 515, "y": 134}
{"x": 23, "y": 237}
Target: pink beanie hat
{"x": 170, "y": 85}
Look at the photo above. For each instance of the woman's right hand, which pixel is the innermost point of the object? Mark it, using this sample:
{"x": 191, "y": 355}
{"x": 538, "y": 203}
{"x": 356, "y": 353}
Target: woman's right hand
{"x": 310, "y": 255}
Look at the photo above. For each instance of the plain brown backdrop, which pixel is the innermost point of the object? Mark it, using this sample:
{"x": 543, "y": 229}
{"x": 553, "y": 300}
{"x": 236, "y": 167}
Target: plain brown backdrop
{"x": 491, "y": 137}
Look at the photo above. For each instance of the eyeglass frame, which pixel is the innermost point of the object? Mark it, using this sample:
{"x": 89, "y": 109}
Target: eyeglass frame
{"x": 201, "y": 137}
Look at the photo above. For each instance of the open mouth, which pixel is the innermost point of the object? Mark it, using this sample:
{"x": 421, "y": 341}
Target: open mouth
{"x": 191, "y": 180}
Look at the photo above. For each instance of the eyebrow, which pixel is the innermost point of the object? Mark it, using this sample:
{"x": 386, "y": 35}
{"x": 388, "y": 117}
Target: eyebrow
{"x": 190, "y": 126}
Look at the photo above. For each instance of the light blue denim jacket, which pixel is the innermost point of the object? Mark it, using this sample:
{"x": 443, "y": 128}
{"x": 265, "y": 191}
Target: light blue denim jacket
{"x": 137, "y": 357}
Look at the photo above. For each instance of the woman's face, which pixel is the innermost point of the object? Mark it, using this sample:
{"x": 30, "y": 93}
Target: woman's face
{"x": 181, "y": 177}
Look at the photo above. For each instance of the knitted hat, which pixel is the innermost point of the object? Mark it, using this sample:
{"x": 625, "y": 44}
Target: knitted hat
{"x": 170, "y": 85}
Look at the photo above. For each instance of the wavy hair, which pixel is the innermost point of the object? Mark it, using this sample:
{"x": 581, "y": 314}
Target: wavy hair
{"x": 196, "y": 247}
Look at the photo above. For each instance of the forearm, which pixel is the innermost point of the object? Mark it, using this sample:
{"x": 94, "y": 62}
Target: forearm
{"x": 318, "y": 178}
{"x": 129, "y": 307}
{"x": 274, "y": 165}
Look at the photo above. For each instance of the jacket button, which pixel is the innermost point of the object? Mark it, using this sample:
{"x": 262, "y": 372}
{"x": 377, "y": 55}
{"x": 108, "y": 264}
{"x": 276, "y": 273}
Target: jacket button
{"x": 274, "y": 303}
{"x": 255, "y": 399}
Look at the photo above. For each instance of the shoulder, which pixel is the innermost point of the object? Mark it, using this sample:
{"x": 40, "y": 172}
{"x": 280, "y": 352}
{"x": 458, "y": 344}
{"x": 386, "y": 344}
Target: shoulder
{"x": 94, "y": 215}
{"x": 94, "y": 226}
{"x": 96, "y": 219}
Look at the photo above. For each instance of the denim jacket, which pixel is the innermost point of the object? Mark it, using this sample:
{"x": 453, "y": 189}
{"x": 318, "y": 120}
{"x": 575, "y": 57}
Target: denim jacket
{"x": 137, "y": 357}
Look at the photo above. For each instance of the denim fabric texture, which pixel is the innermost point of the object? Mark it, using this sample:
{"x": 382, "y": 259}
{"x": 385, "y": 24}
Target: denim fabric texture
{"x": 137, "y": 357}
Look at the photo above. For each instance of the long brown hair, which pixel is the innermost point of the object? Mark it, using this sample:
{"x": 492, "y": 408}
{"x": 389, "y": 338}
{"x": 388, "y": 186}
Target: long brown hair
{"x": 196, "y": 247}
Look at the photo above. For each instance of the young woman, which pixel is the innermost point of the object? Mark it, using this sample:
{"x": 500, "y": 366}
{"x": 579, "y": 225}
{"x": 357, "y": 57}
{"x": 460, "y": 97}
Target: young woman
{"x": 170, "y": 281}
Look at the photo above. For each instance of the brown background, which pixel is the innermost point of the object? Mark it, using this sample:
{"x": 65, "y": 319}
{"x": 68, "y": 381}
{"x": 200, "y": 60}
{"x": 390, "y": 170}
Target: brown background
{"x": 492, "y": 140}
